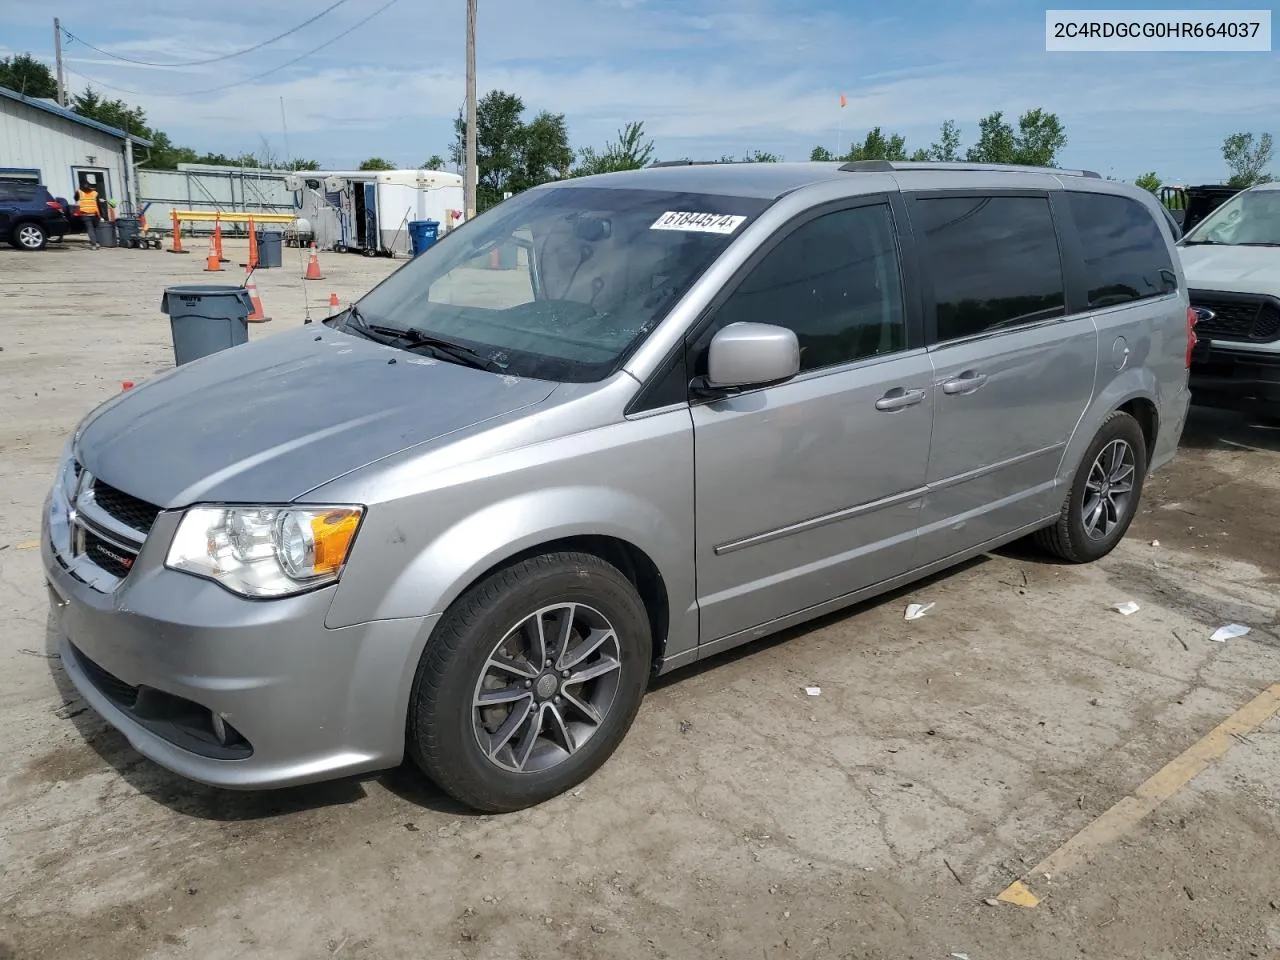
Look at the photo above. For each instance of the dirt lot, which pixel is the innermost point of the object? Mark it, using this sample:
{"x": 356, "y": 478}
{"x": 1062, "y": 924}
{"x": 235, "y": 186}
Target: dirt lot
{"x": 741, "y": 819}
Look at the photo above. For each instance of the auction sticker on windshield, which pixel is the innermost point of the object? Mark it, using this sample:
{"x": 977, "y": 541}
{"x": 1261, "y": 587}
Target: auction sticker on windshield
{"x": 698, "y": 222}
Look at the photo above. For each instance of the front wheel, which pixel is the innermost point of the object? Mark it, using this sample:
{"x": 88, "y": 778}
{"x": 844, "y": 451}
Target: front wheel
{"x": 530, "y": 681}
{"x": 1104, "y": 495}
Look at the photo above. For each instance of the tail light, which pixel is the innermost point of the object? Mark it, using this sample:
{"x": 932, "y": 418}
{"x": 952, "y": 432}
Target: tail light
{"x": 53, "y": 203}
{"x": 1192, "y": 317}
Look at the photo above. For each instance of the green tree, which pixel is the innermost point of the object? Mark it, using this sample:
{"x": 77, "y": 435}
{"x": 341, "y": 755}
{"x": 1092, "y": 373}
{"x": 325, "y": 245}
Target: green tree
{"x": 114, "y": 113}
{"x": 1037, "y": 141}
{"x": 876, "y": 146}
{"x": 821, "y": 155}
{"x": 376, "y": 163}
{"x": 29, "y": 76}
{"x": 1247, "y": 160}
{"x": 630, "y": 151}
{"x": 946, "y": 148}
{"x": 995, "y": 141}
{"x": 434, "y": 162}
{"x": 510, "y": 154}
{"x": 1148, "y": 181}
{"x": 919, "y": 155}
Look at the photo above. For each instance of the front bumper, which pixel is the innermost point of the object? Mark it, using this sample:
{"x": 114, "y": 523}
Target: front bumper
{"x": 1235, "y": 379}
{"x": 232, "y": 692}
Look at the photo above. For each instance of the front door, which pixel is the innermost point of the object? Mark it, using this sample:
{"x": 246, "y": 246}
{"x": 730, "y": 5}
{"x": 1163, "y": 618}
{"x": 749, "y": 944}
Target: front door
{"x": 372, "y": 240}
{"x": 1014, "y": 372}
{"x": 810, "y": 490}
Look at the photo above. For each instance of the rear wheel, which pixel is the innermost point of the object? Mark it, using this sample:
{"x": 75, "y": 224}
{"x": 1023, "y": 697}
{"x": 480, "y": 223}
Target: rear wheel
{"x": 1104, "y": 495}
{"x": 530, "y": 681}
{"x": 29, "y": 236}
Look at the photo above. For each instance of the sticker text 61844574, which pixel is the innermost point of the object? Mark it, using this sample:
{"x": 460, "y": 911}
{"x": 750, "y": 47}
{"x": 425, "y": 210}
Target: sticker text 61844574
{"x": 698, "y": 222}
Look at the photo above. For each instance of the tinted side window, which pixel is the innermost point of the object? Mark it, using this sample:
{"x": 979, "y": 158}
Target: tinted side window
{"x": 22, "y": 192}
{"x": 1125, "y": 254}
{"x": 994, "y": 262}
{"x": 836, "y": 282}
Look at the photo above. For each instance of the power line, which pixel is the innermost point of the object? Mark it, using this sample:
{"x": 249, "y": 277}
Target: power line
{"x": 240, "y": 83}
{"x": 197, "y": 63}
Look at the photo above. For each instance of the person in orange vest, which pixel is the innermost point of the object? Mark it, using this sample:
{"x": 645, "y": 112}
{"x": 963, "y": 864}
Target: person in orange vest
{"x": 90, "y": 213}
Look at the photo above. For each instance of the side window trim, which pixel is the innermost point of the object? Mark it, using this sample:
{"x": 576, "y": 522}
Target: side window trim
{"x": 928, "y": 295}
{"x": 651, "y": 395}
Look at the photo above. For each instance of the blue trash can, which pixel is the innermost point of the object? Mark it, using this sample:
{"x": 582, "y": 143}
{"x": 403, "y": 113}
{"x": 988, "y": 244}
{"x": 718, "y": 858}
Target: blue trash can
{"x": 270, "y": 249}
{"x": 204, "y": 319}
{"x": 423, "y": 233}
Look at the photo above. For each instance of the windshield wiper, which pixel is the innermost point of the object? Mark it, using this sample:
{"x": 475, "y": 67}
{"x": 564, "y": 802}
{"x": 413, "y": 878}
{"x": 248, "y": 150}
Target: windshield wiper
{"x": 442, "y": 349}
{"x": 414, "y": 339}
{"x": 1203, "y": 243}
{"x": 1258, "y": 243}
{"x": 355, "y": 320}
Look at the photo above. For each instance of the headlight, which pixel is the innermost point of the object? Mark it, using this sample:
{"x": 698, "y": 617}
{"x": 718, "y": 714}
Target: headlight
{"x": 68, "y": 475}
{"x": 265, "y": 551}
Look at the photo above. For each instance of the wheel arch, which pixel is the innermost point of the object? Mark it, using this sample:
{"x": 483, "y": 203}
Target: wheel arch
{"x": 1136, "y": 393}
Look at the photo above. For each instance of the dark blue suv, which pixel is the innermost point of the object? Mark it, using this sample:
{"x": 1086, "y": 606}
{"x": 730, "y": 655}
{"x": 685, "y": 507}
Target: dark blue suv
{"x": 30, "y": 216}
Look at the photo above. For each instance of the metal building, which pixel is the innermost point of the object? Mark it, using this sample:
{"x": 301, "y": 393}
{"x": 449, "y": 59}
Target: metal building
{"x": 40, "y": 140}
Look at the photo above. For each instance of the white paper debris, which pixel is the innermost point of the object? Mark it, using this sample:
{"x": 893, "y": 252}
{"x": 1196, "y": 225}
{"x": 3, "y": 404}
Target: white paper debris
{"x": 917, "y": 610}
{"x": 1126, "y": 608}
{"x": 813, "y": 691}
{"x": 1229, "y": 632}
{"x": 1155, "y": 543}
{"x": 960, "y": 956}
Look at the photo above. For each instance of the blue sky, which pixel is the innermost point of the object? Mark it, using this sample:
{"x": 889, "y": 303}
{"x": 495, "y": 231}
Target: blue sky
{"x": 707, "y": 77}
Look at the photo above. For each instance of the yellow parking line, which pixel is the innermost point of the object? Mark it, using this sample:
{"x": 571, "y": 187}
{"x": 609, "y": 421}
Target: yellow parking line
{"x": 29, "y": 545}
{"x": 1128, "y": 812}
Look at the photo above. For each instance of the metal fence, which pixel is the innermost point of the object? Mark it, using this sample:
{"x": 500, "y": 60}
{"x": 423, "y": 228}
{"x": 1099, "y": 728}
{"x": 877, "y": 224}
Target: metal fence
{"x": 213, "y": 189}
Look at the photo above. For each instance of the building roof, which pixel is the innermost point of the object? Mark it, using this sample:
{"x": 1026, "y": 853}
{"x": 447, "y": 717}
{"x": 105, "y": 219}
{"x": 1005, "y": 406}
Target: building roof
{"x": 48, "y": 106}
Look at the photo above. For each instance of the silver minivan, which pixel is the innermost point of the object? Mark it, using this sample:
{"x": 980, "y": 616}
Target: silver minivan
{"x": 612, "y": 426}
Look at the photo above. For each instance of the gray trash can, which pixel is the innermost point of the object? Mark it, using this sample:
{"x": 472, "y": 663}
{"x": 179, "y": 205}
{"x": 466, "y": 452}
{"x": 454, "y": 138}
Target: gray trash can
{"x": 270, "y": 248}
{"x": 107, "y": 233}
{"x": 127, "y": 229}
{"x": 204, "y": 319}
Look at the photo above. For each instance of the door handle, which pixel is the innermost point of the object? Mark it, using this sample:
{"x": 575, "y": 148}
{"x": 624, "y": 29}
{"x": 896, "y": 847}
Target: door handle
{"x": 967, "y": 382}
{"x": 899, "y": 399}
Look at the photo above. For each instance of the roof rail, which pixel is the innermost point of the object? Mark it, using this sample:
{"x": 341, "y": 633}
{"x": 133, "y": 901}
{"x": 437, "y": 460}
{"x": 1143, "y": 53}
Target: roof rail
{"x": 683, "y": 163}
{"x": 898, "y": 166}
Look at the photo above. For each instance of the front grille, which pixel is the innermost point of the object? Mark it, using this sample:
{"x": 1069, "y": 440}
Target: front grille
{"x": 112, "y": 686}
{"x": 108, "y": 556}
{"x": 132, "y": 512}
{"x": 1255, "y": 319}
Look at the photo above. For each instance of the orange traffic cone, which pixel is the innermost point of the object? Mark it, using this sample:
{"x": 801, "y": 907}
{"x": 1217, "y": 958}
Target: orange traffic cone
{"x": 333, "y": 301}
{"x": 217, "y": 240}
{"x": 212, "y": 263}
{"x": 313, "y": 266}
{"x": 257, "y": 316}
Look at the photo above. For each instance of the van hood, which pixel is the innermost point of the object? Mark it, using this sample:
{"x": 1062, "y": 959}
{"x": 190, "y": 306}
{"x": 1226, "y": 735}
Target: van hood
{"x": 1232, "y": 269}
{"x": 268, "y": 421}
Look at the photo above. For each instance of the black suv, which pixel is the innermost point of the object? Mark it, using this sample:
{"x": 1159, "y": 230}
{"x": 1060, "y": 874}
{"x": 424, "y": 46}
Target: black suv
{"x": 30, "y": 216}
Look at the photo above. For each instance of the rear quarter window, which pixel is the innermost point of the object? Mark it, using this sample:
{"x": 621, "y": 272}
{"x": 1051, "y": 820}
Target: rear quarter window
{"x": 1126, "y": 256}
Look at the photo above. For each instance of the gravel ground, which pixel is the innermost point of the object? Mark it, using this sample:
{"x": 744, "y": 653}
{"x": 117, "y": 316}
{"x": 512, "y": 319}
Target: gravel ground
{"x": 741, "y": 818}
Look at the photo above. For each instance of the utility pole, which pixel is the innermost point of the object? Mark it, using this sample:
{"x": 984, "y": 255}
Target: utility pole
{"x": 472, "y": 170}
{"x": 57, "y": 53}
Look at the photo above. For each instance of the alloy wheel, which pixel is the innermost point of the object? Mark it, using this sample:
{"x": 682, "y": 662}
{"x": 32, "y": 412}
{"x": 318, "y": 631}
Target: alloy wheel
{"x": 546, "y": 688}
{"x": 1109, "y": 489}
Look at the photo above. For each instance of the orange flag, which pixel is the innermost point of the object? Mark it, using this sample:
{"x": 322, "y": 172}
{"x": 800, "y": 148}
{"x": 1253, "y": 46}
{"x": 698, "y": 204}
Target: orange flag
{"x": 843, "y": 101}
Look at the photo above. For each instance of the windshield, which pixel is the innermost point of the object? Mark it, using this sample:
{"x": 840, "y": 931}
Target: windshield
{"x": 1249, "y": 218}
{"x": 559, "y": 283}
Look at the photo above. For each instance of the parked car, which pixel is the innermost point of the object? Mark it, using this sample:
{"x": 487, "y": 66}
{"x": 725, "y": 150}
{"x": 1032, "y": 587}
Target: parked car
{"x": 1188, "y": 206}
{"x": 1232, "y": 264}
{"x": 29, "y": 215}
{"x": 469, "y": 517}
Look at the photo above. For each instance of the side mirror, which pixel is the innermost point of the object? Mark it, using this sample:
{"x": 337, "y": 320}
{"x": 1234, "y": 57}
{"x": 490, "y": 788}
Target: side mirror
{"x": 744, "y": 355}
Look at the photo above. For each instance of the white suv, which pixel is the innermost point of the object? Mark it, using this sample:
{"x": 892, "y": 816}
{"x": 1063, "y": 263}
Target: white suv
{"x": 1232, "y": 263}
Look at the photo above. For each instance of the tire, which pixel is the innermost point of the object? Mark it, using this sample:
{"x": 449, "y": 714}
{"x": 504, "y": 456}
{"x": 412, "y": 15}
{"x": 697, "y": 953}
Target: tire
{"x": 1073, "y": 538}
{"x": 29, "y": 236}
{"x": 445, "y": 731}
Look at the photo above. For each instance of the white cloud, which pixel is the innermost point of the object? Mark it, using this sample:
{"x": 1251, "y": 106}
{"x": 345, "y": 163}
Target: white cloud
{"x": 706, "y": 76}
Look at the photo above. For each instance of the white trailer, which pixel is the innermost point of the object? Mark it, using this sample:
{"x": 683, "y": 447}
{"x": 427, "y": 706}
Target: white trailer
{"x": 370, "y": 211}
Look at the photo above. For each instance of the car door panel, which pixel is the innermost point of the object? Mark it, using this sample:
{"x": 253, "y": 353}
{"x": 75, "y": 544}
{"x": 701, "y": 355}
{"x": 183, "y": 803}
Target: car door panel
{"x": 807, "y": 491}
{"x": 996, "y": 448}
{"x": 1013, "y": 371}
{"x": 811, "y": 489}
